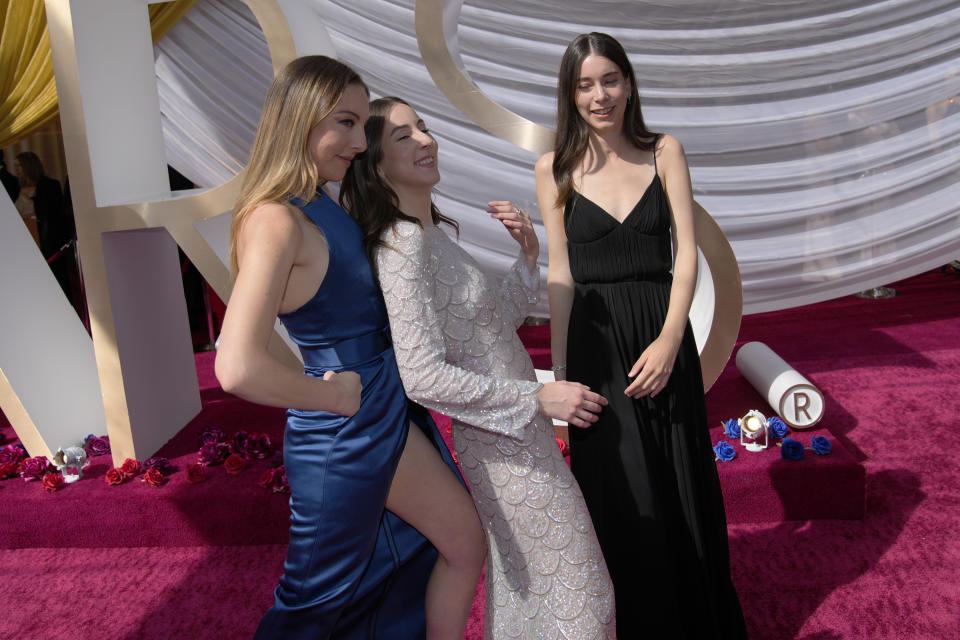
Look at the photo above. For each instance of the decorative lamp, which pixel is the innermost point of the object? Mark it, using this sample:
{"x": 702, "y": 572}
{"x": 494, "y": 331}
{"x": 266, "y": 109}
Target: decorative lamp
{"x": 71, "y": 462}
{"x": 753, "y": 427}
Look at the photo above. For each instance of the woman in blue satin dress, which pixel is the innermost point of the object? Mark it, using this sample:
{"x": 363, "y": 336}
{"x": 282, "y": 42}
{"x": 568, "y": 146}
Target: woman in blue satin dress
{"x": 364, "y": 485}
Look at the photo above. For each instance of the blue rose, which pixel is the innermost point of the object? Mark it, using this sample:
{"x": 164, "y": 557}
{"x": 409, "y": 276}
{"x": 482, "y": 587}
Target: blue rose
{"x": 724, "y": 451}
{"x": 821, "y": 445}
{"x": 790, "y": 449}
{"x": 777, "y": 427}
{"x": 731, "y": 428}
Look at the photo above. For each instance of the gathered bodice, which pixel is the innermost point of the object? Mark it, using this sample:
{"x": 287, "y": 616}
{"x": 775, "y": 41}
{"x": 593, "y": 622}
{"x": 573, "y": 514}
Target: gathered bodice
{"x": 604, "y": 250}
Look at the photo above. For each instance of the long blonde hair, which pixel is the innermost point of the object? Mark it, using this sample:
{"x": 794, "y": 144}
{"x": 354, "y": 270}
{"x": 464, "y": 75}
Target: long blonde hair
{"x": 303, "y": 93}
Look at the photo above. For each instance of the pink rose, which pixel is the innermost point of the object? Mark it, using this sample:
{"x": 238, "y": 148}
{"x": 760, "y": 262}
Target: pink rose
{"x": 97, "y": 446}
{"x": 12, "y": 453}
{"x": 33, "y": 468}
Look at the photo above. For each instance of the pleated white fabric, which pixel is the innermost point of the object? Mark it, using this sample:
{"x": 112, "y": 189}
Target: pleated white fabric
{"x": 823, "y": 137}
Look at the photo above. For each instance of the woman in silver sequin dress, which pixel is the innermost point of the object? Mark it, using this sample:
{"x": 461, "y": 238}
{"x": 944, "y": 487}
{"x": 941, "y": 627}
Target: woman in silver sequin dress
{"x": 458, "y": 352}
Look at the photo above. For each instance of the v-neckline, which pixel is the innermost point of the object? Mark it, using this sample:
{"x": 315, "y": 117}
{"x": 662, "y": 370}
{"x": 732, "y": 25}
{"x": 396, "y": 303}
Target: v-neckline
{"x": 643, "y": 196}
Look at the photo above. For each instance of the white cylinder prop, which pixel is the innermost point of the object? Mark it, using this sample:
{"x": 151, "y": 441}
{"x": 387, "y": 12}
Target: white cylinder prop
{"x": 793, "y": 397}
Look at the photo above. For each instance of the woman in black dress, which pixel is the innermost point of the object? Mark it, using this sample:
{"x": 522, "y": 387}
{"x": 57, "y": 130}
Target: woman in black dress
{"x": 613, "y": 195}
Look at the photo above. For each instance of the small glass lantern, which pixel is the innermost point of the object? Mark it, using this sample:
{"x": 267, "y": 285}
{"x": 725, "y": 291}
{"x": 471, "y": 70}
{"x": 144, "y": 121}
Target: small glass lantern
{"x": 753, "y": 429}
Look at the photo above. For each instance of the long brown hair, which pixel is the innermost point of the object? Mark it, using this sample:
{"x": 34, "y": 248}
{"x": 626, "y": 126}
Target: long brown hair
{"x": 304, "y": 92}
{"x": 367, "y": 196}
{"x": 573, "y": 133}
{"x": 32, "y": 168}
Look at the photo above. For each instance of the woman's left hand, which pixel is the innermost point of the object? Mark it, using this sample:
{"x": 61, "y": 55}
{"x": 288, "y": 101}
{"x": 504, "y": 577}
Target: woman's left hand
{"x": 517, "y": 221}
{"x": 652, "y": 369}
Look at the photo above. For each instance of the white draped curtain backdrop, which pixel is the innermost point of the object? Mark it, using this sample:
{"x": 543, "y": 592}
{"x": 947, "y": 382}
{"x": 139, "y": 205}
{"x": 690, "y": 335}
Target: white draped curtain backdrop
{"x": 824, "y": 137}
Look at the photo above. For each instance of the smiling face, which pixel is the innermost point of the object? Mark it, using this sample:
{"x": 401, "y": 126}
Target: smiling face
{"x": 601, "y": 93}
{"x": 409, "y": 151}
{"x": 338, "y": 137}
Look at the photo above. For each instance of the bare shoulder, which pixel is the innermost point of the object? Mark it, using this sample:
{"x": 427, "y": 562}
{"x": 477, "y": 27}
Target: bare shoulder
{"x": 273, "y": 227}
{"x": 670, "y": 149}
{"x": 272, "y": 218}
{"x": 544, "y": 166}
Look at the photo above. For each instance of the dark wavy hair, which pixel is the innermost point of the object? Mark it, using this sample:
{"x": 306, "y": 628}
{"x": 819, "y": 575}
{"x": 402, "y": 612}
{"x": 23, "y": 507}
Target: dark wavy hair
{"x": 572, "y": 132}
{"x": 365, "y": 194}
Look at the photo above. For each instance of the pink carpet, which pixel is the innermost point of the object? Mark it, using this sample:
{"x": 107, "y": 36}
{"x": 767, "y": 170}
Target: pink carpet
{"x": 889, "y": 371}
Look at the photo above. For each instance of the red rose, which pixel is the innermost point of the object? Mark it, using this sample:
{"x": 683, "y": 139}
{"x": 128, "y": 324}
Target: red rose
{"x": 266, "y": 478}
{"x": 195, "y": 473}
{"x": 130, "y": 468}
{"x": 114, "y": 477}
{"x": 9, "y": 470}
{"x": 235, "y": 463}
{"x": 52, "y": 481}
{"x": 154, "y": 477}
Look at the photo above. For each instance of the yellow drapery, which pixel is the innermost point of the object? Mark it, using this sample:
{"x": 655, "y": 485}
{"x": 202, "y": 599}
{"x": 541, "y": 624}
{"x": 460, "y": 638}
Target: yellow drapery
{"x": 28, "y": 93}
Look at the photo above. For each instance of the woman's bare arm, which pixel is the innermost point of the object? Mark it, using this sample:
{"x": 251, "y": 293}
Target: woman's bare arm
{"x": 269, "y": 241}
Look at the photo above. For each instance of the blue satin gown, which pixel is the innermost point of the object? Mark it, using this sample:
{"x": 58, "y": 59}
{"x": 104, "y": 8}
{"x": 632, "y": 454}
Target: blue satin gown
{"x": 353, "y": 570}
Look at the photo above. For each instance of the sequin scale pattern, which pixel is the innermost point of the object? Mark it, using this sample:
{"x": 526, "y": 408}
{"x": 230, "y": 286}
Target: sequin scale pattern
{"x": 458, "y": 351}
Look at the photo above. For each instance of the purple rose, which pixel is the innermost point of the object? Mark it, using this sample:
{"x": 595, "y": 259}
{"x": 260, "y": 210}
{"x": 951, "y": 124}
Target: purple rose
{"x": 212, "y": 435}
{"x": 159, "y": 463}
{"x": 777, "y": 427}
{"x": 731, "y": 428}
{"x": 213, "y": 453}
{"x": 724, "y": 451}
{"x": 97, "y": 446}
{"x": 790, "y": 449}
{"x": 257, "y": 446}
{"x": 12, "y": 454}
{"x": 34, "y": 468}
{"x": 239, "y": 441}
{"x": 821, "y": 445}
{"x": 275, "y": 479}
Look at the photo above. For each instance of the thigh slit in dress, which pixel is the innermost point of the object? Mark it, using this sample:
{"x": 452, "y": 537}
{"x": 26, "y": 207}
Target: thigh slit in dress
{"x": 353, "y": 570}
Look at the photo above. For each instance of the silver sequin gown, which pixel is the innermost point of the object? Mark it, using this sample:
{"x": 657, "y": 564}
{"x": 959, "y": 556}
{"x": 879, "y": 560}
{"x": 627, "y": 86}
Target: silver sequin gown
{"x": 458, "y": 351}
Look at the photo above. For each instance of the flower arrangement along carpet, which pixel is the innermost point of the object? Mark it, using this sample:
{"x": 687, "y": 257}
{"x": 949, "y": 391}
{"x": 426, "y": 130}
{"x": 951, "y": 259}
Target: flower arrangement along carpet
{"x": 888, "y": 368}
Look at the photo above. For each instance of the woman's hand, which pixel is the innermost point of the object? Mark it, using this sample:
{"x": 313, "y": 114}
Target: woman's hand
{"x": 653, "y": 368}
{"x": 348, "y": 388}
{"x": 517, "y": 221}
{"x": 571, "y": 402}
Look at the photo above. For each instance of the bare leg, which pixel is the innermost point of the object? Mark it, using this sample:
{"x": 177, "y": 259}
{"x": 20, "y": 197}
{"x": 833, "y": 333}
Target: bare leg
{"x": 427, "y": 495}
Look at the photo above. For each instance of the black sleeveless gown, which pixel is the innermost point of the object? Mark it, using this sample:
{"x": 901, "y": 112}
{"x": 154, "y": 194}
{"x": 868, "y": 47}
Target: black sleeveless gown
{"x": 647, "y": 467}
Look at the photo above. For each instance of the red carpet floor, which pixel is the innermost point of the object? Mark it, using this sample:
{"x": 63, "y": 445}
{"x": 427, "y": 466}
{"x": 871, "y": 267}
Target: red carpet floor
{"x": 889, "y": 371}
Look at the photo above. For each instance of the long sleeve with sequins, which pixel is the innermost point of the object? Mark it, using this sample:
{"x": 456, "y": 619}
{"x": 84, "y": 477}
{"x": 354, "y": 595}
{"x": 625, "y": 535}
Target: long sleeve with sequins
{"x": 519, "y": 291}
{"x": 435, "y": 299}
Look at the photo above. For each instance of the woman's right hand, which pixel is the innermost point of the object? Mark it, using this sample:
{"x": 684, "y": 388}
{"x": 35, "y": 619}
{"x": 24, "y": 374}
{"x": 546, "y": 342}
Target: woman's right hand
{"x": 348, "y": 387}
{"x": 571, "y": 402}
